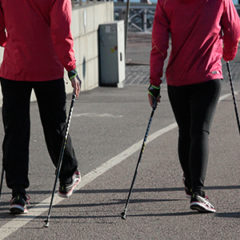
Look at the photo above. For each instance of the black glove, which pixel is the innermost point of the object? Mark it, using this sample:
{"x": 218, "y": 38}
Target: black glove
{"x": 154, "y": 91}
{"x": 154, "y": 95}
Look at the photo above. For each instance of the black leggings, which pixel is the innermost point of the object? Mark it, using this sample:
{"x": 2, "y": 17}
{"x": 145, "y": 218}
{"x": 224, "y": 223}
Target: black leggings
{"x": 51, "y": 98}
{"x": 194, "y": 107}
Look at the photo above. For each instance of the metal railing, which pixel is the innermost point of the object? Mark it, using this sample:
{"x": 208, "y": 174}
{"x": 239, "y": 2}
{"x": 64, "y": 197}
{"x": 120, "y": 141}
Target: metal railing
{"x": 76, "y": 3}
{"x": 141, "y": 14}
{"x": 140, "y": 18}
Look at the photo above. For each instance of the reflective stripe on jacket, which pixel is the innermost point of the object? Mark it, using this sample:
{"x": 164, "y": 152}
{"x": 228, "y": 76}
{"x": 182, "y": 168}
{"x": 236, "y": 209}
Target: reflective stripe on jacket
{"x": 37, "y": 39}
{"x": 199, "y": 29}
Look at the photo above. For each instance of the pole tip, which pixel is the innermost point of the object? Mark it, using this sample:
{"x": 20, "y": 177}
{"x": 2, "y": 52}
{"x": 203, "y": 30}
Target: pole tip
{"x": 46, "y": 225}
{"x": 123, "y": 215}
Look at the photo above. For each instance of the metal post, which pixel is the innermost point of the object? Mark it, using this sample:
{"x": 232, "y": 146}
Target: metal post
{"x": 145, "y": 20}
{"x": 126, "y": 23}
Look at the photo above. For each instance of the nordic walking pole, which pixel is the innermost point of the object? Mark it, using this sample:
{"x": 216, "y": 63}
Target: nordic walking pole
{"x": 123, "y": 214}
{"x": 233, "y": 95}
{"x": 61, "y": 157}
{"x": 2, "y": 176}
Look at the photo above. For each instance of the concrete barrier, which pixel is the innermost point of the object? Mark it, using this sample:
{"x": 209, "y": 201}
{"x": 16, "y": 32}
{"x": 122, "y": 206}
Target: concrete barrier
{"x": 85, "y": 21}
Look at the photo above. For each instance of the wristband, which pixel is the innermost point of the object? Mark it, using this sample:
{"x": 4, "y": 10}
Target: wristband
{"x": 72, "y": 74}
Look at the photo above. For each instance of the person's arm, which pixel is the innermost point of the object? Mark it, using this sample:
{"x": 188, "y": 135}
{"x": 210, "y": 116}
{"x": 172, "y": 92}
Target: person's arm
{"x": 231, "y": 30}
{"x": 60, "y": 21}
{"x": 160, "y": 39}
{"x": 3, "y": 37}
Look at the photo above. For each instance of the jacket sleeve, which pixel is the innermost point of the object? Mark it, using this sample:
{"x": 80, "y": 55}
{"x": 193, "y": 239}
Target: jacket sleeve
{"x": 231, "y": 29}
{"x": 60, "y": 21}
{"x": 3, "y": 37}
{"x": 160, "y": 38}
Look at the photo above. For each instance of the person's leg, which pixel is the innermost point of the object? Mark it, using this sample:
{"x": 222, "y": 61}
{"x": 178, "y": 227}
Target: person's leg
{"x": 16, "y": 121}
{"x": 203, "y": 104}
{"x": 179, "y": 100}
{"x": 51, "y": 99}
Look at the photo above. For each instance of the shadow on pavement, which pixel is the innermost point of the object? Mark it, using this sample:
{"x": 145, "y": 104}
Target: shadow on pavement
{"x": 117, "y": 201}
{"x": 27, "y": 216}
{"x": 4, "y": 214}
{"x": 228, "y": 215}
{"x": 91, "y": 191}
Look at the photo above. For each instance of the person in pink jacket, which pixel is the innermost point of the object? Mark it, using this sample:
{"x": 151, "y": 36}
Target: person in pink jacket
{"x": 38, "y": 45}
{"x": 201, "y": 33}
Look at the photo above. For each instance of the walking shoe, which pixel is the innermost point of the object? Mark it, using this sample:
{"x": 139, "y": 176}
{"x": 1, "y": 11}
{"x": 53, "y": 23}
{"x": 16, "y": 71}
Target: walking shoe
{"x": 188, "y": 190}
{"x": 201, "y": 203}
{"x": 66, "y": 189}
{"x": 18, "y": 204}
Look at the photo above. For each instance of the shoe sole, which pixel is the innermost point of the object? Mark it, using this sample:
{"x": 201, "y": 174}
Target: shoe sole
{"x": 201, "y": 208}
{"x": 17, "y": 209}
{"x": 69, "y": 193}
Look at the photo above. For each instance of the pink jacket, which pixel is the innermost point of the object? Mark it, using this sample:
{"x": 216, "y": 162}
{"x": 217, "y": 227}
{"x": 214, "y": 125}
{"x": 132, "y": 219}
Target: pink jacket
{"x": 199, "y": 29}
{"x": 37, "y": 39}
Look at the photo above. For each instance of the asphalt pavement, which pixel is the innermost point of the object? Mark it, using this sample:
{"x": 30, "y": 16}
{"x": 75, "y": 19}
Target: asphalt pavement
{"x": 107, "y": 130}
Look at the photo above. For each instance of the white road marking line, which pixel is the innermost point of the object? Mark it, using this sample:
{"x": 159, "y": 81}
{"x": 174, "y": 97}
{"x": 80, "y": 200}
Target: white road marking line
{"x": 226, "y": 96}
{"x": 18, "y": 222}
{"x": 95, "y": 115}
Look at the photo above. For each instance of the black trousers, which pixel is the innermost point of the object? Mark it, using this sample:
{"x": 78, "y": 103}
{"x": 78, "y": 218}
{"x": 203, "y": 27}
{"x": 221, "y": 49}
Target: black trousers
{"x": 194, "y": 107}
{"x": 51, "y": 98}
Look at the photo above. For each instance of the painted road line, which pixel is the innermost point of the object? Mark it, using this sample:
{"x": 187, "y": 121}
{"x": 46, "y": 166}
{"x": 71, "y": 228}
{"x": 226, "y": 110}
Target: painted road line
{"x": 97, "y": 115}
{"x": 18, "y": 222}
